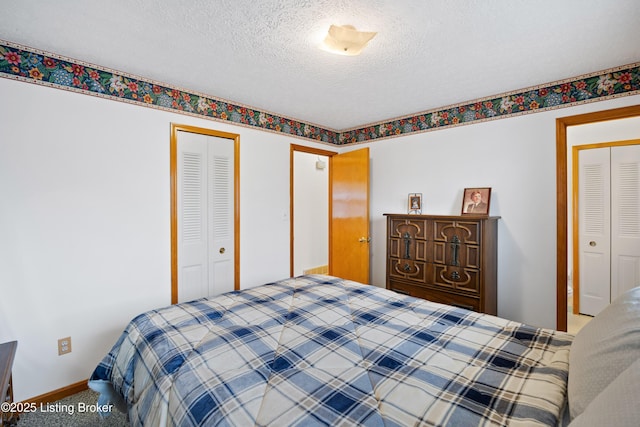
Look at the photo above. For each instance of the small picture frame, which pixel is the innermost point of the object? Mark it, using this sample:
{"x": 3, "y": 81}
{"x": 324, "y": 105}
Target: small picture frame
{"x": 415, "y": 203}
{"x": 475, "y": 201}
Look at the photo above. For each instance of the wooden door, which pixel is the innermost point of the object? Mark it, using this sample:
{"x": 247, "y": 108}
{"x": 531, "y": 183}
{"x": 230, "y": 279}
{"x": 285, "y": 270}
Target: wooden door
{"x": 349, "y": 227}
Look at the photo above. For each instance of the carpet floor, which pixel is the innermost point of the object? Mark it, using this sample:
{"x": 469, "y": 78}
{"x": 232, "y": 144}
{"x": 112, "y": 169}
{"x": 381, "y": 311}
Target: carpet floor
{"x": 77, "y": 410}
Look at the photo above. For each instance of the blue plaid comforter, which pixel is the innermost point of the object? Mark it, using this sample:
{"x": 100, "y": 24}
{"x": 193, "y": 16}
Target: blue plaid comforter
{"x": 319, "y": 350}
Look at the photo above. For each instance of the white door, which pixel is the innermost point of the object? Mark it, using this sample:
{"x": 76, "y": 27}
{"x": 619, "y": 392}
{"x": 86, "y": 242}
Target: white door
{"x": 594, "y": 224}
{"x": 205, "y": 215}
{"x": 625, "y": 219}
{"x": 609, "y": 223}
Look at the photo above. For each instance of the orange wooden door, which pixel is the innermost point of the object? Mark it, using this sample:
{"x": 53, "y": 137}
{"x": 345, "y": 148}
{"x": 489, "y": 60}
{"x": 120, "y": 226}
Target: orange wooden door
{"x": 349, "y": 226}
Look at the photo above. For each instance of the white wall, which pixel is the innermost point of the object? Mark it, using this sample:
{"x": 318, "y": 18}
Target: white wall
{"x": 311, "y": 212}
{"x": 84, "y": 214}
{"x": 85, "y": 223}
{"x": 517, "y": 158}
{"x": 601, "y": 132}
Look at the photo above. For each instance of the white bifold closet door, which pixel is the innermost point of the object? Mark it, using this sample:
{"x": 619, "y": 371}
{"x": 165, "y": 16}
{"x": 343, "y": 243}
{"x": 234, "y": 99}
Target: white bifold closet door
{"x": 609, "y": 224}
{"x": 625, "y": 219}
{"x": 205, "y": 215}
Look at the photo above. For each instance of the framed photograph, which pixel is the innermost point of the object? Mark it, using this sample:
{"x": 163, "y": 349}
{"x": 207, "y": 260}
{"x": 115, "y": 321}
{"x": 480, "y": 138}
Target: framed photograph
{"x": 415, "y": 203}
{"x": 475, "y": 201}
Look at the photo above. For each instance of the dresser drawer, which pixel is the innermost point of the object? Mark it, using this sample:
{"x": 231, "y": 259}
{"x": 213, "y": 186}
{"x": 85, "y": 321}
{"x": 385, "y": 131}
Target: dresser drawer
{"x": 407, "y": 239}
{"x": 408, "y": 269}
{"x": 414, "y": 226}
{"x": 456, "y": 278}
{"x": 467, "y": 232}
{"x": 441, "y": 297}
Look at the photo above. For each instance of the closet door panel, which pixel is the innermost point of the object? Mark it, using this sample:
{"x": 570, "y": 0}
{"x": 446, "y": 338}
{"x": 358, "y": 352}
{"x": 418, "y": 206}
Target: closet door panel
{"x": 594, "y": 235}
{"x": 625, "y": 218}
{"x": 220, "y": 215}
{"x": 192, "y": 214}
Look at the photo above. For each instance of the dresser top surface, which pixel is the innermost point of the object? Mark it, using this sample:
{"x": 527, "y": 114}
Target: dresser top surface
{"x": 457, "y": 217}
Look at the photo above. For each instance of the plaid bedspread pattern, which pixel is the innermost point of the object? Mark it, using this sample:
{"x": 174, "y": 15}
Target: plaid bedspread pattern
{"x": 319, "y": 350}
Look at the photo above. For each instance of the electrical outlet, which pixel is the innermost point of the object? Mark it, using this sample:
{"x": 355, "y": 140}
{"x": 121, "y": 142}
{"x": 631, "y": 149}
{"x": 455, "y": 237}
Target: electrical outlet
{"x": 64, "y": 346}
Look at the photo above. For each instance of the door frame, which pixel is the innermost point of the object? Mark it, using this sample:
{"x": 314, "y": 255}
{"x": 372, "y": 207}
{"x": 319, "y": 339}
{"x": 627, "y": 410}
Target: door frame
{"x": 173, "y": 178}
{"x": 575, "y": 163}
{"x": 562, "y": 123}
{"x": 319, "y": 152}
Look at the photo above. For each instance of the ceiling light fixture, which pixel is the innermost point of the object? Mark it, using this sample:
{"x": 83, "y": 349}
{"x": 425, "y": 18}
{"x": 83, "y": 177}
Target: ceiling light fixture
{"x": 346, "y": 40}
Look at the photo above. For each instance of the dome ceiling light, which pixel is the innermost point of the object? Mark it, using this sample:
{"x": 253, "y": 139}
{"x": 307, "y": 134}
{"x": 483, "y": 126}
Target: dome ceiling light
{"x": 346, "y": 40}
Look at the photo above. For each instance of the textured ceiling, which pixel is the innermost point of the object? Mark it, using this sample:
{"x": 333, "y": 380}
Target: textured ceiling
{"x": 263, "y": 53}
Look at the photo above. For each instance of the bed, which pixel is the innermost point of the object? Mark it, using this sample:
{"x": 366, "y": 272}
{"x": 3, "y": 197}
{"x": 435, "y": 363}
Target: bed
{"x": 320, "y": 350}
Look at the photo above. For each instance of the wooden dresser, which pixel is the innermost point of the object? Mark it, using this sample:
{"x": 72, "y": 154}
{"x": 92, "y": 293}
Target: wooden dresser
{"x": 7, "y": 353}
{"x": 447, "y": 259}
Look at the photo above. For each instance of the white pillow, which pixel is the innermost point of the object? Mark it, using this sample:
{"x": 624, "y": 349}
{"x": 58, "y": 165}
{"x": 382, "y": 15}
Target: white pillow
{"x": 602, "y": 349}
{"x": 617, "y": 405}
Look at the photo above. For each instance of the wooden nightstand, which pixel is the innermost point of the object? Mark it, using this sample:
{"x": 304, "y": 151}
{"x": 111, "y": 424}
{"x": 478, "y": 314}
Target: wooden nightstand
{"x": 7, "y": 353}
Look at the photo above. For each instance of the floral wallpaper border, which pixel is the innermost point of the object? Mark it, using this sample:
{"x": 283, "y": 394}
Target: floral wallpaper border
{"x": 598, "y": 86}
{"x": 35, "y": 66}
